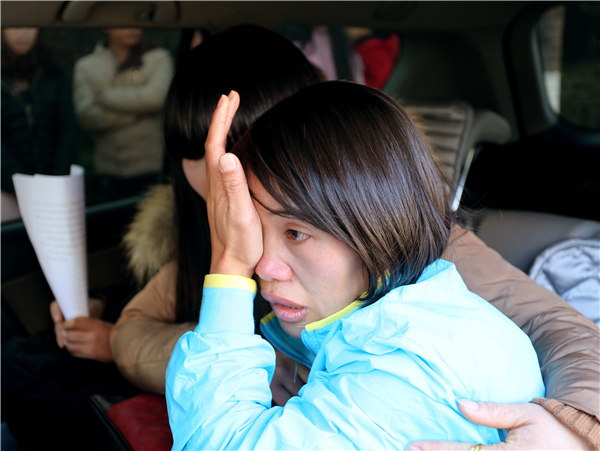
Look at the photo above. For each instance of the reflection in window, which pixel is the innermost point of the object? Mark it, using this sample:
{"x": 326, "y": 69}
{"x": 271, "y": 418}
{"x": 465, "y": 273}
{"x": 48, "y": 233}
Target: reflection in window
{"x": 39, "y": 132}
{"x": 119, "y": 90}
{"x": 61, "y": 115}
{"x": 569, "y": 37}
{"x": 363, "y": 55}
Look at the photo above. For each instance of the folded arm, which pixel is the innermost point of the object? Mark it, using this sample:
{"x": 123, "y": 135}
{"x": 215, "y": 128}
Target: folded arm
{"x": 147, "y": 97}
{"x": 566, "y": 342}
{"x": 90, "y": 113}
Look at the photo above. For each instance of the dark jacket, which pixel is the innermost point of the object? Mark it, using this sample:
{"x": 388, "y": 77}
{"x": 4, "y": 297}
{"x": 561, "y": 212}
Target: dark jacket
{"x": 43, "y": 138}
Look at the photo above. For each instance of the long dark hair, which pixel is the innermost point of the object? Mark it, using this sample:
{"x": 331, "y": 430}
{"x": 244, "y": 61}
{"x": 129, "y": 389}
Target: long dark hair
{"x": 349, "y": 160}
{"x": 263, "y": 67}
{"x": 28, "y": 66}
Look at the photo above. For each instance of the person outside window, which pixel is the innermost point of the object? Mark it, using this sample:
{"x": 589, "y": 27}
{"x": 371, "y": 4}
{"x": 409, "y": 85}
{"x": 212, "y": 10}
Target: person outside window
{"x": 39, "y": 130}
{"x": 119, "y": 92}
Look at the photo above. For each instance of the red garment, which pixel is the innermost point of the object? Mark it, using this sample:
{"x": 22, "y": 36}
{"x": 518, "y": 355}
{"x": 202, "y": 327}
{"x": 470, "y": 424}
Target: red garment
{"x": 143, "y": 421}
{"x": 379, "y": 55}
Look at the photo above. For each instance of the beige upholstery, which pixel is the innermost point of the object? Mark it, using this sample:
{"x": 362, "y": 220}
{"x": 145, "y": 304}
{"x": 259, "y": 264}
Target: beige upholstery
{"x": 455, "y": 130}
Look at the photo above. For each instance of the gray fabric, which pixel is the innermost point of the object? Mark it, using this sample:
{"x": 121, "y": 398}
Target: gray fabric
{"x": 520, "y": 236}
{"x": 571, "y": 269}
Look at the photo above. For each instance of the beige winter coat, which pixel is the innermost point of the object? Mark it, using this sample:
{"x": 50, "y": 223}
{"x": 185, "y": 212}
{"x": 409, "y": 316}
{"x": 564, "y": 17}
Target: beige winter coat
{"x": 122, "y": 111}
{"x": 567, "y": 343}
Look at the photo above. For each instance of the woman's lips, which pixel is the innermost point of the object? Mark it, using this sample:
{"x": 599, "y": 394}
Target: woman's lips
{"x": 286, "y": 311}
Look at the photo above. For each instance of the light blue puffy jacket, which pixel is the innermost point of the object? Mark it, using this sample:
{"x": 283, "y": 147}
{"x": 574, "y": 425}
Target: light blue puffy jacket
{"x": 382, "y": 376}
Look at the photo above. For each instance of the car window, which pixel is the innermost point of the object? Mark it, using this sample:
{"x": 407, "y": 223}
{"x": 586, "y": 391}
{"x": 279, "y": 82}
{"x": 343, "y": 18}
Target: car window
{"x": 360, "y": 54}
{"x": 103, "y": 111}
{"x": 109, "y": 177}
{"x": 569, "y": 37}
{"x": 69, "y": 99}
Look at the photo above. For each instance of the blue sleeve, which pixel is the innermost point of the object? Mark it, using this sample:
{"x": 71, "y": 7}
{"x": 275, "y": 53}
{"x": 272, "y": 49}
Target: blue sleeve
{"x": 218, "y": 384}
{"x": 218, "y": 365}
{"x": 384, "y": 393}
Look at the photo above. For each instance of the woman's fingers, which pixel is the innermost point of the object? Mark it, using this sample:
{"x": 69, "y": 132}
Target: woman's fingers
{"x": 216, "y": 140}
{"x": 236, "y": 234}
{"x": 244, "y": 237}
{"x": 56, "y": 313}
{"x": 234, "y": 103}
{"x": 216, "y": 147}
{"x": 235, "y": 184}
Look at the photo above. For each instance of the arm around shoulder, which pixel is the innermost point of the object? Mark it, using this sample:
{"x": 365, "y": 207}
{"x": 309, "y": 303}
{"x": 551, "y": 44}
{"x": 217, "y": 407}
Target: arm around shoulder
{"x": 566, "y": 342}
{"x": 144, "y": 336}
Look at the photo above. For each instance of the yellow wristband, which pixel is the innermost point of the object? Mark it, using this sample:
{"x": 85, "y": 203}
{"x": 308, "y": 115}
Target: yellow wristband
{"x": 229, "y": 281}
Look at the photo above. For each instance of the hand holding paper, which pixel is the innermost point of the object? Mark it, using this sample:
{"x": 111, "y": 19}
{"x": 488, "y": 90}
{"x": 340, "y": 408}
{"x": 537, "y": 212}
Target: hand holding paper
{"x": 53, "y": 211}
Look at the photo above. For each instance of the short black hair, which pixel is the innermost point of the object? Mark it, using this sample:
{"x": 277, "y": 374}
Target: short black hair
{"x": 349, "y": 160}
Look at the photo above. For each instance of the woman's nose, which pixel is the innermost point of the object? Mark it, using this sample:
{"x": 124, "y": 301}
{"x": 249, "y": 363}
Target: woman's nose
{"x": 272, "y": 267}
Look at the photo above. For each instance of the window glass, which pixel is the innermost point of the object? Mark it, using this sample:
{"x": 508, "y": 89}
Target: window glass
{"x": 363, "y": 55}
{"x": 88, "y": 97}
{"x": 569, "y": 37}
{"x": 94, "y": 97}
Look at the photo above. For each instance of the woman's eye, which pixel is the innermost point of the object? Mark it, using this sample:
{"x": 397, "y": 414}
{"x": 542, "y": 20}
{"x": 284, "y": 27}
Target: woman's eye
{"x": 296, "y": 236}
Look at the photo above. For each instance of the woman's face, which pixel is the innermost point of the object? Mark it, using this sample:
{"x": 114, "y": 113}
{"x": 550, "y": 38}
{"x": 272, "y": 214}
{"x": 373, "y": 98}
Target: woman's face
{"x": 305, "y": 273}
{"x": 20, "y": 40}
{"x": 126, "y": 37}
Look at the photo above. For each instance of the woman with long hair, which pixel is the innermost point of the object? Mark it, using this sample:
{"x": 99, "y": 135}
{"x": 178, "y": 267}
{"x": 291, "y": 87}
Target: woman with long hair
{"x": 39, "y": 131}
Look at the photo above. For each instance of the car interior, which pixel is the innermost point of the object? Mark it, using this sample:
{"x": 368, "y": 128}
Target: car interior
{"x": 507, "y": 94}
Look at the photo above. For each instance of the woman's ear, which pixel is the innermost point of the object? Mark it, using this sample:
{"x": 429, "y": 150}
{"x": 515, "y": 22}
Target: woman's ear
{"x": 195, "y": 174}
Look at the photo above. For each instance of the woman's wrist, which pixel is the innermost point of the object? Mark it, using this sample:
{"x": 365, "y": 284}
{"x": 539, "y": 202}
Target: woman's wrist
{"x": 230, "y": 281}
{"x": 232, "y": 269}
{"x": 584, "y": 425}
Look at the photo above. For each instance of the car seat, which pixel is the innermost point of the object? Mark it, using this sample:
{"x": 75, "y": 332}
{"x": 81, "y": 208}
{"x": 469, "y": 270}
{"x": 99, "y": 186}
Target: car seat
{"x": 456, "y": 131}
{"x": 561, "y": 253}
{"x": 139, "y": 423}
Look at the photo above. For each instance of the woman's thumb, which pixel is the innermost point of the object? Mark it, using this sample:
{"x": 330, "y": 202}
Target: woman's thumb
{"x": 491, "y": 414}
{"x": 227, "y": 163}
{"x": 55, "y": 312}
{"x": 234, "y": 180}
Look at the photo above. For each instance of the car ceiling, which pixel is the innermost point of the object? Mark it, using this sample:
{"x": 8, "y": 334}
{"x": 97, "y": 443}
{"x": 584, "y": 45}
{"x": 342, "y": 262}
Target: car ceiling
{"x": 407, "y": 16}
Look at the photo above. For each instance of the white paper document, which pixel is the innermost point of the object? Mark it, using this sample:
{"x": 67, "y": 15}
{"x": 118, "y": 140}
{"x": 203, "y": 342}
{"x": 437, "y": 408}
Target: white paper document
{"x": 53, "y": 211}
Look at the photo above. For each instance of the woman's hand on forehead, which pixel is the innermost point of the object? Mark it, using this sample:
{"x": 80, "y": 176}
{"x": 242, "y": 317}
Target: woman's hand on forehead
{"x": 235, "y": 227}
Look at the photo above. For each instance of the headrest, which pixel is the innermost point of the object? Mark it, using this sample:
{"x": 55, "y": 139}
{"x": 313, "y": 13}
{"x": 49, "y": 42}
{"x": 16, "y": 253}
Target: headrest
{"x": 453, "y": 127}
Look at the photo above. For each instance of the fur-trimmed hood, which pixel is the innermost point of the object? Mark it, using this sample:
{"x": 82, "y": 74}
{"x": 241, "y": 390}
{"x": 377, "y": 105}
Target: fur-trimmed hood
{"x": 151, "y": 239}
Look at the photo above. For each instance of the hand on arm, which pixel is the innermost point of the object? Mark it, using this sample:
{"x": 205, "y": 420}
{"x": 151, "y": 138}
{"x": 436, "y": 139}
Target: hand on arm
{"x": 235, "y": 227}
{"x": 529, "y": 427}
